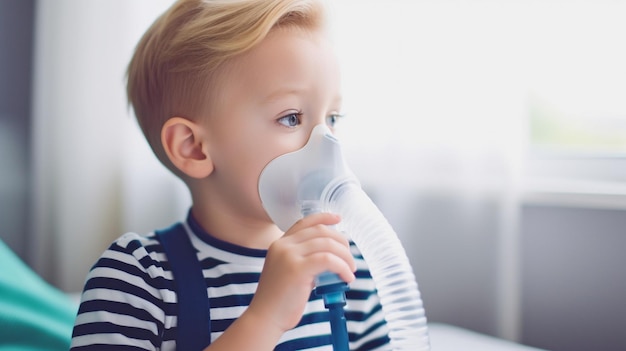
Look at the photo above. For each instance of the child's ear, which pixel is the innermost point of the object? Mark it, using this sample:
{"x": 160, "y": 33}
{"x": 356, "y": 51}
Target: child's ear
{"x": 185, "y": 145}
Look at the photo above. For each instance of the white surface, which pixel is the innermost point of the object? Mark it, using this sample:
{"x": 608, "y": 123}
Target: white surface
{"x": 444, "y": 337}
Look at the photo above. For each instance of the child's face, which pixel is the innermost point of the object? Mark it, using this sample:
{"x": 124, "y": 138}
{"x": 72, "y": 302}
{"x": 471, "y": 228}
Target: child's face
{"x": 268, "y": 102}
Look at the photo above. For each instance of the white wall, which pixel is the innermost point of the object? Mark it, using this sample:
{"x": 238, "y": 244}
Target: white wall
{"x": 94, "y": 176}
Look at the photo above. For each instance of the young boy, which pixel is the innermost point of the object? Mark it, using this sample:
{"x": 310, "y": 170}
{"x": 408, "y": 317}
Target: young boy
{"x": 220, "y": 88}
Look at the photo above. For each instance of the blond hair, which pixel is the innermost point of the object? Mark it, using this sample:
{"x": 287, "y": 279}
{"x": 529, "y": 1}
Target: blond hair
{"x": 174, "y": 67}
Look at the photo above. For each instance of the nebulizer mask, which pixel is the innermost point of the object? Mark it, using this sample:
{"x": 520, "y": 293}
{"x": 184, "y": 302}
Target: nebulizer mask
{"x": 317, "y": 179}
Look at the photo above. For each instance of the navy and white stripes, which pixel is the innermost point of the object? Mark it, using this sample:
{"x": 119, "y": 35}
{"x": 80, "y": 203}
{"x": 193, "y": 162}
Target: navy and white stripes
{"x": 129, "y": 302}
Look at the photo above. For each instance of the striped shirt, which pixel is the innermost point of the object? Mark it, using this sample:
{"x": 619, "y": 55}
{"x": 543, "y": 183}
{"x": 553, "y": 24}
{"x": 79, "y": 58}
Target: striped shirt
{"x": 129, "y": 299}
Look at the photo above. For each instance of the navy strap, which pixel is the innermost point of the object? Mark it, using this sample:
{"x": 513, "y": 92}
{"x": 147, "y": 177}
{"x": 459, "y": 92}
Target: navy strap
{"x": 194, "y": 320}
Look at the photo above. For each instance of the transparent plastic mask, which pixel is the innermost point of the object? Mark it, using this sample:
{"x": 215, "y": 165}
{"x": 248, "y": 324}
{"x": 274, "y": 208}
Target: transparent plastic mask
{"x": 307, "y": 174}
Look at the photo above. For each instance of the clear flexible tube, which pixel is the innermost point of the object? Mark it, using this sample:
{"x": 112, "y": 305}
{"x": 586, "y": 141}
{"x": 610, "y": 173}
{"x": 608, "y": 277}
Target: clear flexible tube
{"x": 387, "y": 261}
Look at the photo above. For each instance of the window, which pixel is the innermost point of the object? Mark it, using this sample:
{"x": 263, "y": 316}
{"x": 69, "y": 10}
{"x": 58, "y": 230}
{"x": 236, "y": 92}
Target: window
{"x": 577, "y": 99}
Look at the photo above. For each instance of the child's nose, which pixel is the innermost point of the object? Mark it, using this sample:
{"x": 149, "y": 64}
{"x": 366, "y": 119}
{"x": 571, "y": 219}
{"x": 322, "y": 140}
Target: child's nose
{"x": 321, "y": 119}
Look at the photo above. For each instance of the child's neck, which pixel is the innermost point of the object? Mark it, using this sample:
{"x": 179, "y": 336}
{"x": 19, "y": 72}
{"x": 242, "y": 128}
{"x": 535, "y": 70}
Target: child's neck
{"x": 231, "y": 228}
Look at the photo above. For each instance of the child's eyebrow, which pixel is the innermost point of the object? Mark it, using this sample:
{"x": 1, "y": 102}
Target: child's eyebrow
{"x": 282, "y": 92}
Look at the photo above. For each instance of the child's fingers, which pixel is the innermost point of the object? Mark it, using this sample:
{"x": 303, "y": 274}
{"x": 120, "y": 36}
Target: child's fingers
{"x": 329, "y": 245}
{"x": 313, "y": 240}
{"x": 325, "y": 261}
{"x": 315, "y": 246}
{"x": 316, "y": 231}
{"x": 314, "y": 219}
{"x": 313, "y": 226}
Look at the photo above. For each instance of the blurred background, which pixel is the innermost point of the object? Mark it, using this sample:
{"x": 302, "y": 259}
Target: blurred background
{"x": 492, "y": 135}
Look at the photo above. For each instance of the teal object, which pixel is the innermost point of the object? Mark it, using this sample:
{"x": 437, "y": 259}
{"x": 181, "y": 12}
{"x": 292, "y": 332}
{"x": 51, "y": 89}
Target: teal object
{"x": 34, "y": 315}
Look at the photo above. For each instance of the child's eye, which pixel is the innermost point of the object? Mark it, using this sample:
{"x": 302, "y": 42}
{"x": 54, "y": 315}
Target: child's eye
{"x": 332, "y": 119}
{"x": 291, "y": 120}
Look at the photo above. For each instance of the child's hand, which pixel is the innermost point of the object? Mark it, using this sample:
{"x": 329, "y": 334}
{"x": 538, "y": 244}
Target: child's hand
{"x": 307, "y": 249}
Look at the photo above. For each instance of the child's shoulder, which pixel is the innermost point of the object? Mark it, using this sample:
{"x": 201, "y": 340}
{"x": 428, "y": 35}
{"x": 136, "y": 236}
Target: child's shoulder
{"x": 133, "y": 256}
{"x": 134, "y": 243}
{"x": 130, "y": 283}
{"x": 141, "y": 247}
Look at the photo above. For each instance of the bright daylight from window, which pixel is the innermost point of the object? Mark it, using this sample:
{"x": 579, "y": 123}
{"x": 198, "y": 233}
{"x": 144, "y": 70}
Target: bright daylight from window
{"x": 487, "y": 91}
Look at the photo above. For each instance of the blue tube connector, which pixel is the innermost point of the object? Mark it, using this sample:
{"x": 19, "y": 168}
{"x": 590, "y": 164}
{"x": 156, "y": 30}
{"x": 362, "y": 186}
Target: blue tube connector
{"x": 334, "y": 296}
